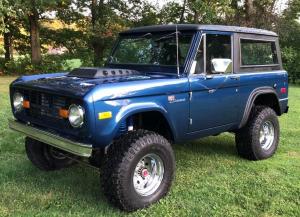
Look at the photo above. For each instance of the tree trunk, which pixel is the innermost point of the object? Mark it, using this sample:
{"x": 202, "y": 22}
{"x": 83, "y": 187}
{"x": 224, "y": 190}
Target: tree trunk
{"x": 36, "y": 57}
{"x": 196, "y": 16}
{"x": 97, "y": 41}
{"x": 94, "y": 13}
{"x": 7, "y": 38}
{"x": 249, "y": 10}
{"x": 234, "y": 18}
{"x": 182, "y": 12}
{"x": 98, "y": 52}
{"x": 7, "y": 46}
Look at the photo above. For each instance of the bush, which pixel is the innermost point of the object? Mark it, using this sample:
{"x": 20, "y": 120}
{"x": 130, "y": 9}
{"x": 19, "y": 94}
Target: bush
{"x": 290, "y": 58}
{"x": 51, "y": 63}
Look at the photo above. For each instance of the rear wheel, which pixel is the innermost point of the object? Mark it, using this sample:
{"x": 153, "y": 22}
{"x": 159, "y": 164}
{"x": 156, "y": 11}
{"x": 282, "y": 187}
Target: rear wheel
{"x": 44, "y": 156}
{"x": 139, "y": 170}
{"x": 260, "y": 137}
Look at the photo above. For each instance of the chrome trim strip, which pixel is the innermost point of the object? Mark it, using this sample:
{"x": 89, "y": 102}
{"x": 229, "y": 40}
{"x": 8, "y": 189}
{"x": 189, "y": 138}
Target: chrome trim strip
{"x": 277, "y": 72}
{"x": 76, "y": 148}
{"x": 284, "y": 99}
{"x": 256, "y": 66}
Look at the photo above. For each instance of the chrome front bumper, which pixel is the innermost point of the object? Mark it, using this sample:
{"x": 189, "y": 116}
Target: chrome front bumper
{"x": 79, "y": 149}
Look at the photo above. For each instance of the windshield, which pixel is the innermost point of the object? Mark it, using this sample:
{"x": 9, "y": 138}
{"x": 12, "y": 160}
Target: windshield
{"x": 152, "y": 49}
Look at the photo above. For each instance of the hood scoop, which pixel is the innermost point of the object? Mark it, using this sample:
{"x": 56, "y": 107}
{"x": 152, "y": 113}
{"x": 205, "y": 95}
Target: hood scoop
{"x": 90, "y": 72}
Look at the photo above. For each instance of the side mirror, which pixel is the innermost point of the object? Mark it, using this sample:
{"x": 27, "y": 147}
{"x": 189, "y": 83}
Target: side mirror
{"x": 221, "y": 66}
{"x": 193, "y": 68}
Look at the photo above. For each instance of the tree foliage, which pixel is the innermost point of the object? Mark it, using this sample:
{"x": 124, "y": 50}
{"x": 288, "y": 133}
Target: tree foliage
{"x": 289, "y": 31}
{"x": 86, "y": 29}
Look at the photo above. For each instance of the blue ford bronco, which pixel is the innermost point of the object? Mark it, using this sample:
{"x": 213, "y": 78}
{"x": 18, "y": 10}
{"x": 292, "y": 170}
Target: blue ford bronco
{"x": 160, "y": 85}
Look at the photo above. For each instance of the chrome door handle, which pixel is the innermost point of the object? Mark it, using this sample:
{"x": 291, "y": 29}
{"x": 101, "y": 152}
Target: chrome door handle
{"x": 212, "y": 90}
{"x": 235, "y": 77}
{"x": 208, "y": 77}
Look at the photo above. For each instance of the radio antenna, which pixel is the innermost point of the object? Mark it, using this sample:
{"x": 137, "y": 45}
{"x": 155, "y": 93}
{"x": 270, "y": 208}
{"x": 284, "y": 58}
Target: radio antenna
{"x": 177, "y": 51}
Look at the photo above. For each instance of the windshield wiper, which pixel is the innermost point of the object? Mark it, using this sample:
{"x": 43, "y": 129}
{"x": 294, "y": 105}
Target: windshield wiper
{"x": 170, "y": 35}
{"x": 143, "y": 36}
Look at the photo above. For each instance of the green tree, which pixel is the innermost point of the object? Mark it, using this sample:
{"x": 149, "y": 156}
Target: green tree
{"x": 172, "y": 12}
{"x": 31, "y": 12}
{"x": 7, "y": 27}
{"x": 99, "y": 21}
{"x": 289, "y": 32}
{"x": 207, "y": 11}
{"x": 96, "y": 23}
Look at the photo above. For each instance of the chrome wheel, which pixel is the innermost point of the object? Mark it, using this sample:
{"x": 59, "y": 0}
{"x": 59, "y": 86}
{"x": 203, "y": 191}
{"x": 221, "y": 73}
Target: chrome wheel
{"x": 267, "y": 135}
{"x": 56, "y": 154}
{"x": 148, "y": 174}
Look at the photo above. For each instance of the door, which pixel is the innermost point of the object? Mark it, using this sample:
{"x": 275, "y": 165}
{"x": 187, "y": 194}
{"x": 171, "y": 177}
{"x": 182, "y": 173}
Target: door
{"x": 214, "y": 88}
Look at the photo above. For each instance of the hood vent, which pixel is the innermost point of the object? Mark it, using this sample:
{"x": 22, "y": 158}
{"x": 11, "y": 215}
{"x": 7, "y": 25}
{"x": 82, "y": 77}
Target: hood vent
{"x": 100, "y": 72}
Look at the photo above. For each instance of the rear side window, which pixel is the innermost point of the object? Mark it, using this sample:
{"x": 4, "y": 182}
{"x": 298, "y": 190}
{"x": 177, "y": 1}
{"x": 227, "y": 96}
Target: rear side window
{"x": 258, "y": 53}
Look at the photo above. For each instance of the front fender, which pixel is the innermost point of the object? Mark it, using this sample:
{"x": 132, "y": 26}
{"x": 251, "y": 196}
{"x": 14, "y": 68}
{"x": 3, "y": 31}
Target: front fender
{"x": 107, "y": 129}
{"x": 138, "y": 107}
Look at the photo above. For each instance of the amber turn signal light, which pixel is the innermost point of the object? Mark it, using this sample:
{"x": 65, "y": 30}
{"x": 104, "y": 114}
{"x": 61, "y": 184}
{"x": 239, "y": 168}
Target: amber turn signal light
{"x": 64, "y": 113}
{"x": 26, "y": 104}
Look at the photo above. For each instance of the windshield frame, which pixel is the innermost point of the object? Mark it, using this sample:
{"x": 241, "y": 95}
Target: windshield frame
{"x": 152, "y": 67}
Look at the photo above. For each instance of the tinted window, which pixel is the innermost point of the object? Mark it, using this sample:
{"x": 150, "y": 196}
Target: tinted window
{"x": 218, "y": 47}
{"x": 152, "y": 50}
{"x": 258, "y": 52}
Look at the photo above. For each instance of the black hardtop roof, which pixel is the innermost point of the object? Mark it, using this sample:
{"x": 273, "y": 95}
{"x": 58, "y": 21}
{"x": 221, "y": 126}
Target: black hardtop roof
{"x": 197, "y": 27}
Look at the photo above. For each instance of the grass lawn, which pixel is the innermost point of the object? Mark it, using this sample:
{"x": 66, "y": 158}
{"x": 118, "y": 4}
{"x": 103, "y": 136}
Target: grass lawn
{"x": 211, "y": 180}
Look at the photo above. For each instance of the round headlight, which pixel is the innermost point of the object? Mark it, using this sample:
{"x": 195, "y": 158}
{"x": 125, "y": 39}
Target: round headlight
{"x": 76, "y": 115}
{"x": 18, "y": 101}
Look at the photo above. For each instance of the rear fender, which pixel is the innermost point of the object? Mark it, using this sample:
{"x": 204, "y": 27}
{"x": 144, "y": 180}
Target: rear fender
{"x": 253, "y": 96}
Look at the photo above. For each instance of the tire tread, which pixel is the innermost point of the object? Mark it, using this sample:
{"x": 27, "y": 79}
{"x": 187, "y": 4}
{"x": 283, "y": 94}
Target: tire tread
{"x": 245, "y": 136}
{"x": 118, "y": 159}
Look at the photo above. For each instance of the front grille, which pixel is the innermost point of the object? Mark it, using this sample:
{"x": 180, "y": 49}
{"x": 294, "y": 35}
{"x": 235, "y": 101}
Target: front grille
{"x": 44, "y": 105}
{"x": 44, "y": 113}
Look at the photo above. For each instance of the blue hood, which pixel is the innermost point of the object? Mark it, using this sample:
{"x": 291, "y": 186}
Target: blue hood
{"x": 102, "y": 88}
{"x": 153, "y": 85}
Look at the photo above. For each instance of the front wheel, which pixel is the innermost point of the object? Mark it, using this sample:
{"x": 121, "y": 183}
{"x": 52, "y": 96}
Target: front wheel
{"x": 139, "y": 170}
{"x": 46, "y": 157}
{"x": 260, "y": 137}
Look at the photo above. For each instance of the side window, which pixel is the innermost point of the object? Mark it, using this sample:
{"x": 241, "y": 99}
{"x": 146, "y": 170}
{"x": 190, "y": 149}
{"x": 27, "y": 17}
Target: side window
{"x": 258, "y": 53}
{"x": 215, "y": 57}
{"x": 218, "y": 54}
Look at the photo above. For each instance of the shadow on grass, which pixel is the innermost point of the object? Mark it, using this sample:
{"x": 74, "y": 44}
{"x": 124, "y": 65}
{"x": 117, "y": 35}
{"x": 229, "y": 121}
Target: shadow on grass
{"x": 78, "y": 185}
{"x": 222, "y": 145}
